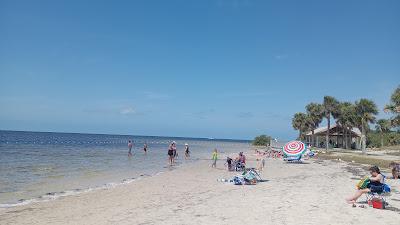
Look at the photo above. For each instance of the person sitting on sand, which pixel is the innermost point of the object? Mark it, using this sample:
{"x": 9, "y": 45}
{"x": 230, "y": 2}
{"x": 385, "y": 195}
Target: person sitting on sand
{"x": 395, "y": 170}
{"x": 375, "y": 185}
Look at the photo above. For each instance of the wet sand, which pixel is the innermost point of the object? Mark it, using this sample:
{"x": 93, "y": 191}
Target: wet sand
{"x": 309, "y": 193}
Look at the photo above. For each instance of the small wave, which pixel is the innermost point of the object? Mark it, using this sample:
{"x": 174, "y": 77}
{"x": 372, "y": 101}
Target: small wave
{"x": 55, "y": 195}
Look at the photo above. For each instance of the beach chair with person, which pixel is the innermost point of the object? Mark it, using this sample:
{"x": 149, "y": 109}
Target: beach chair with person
{"x": 377, "y": 195}
{"x": 239, "y": 166}
{"x": 374, "y": 187}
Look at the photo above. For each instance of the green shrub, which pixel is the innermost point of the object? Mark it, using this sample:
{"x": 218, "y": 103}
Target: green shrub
{"x": 262, "y": 140}
{"x": 389, "y": 138}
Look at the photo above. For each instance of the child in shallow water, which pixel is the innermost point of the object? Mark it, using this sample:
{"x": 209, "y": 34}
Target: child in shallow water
{"x": 214, "y": 158}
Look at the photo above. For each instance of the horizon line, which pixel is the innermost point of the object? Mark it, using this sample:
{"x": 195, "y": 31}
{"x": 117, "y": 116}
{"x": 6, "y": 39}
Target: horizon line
{"x": 181, "y": 137}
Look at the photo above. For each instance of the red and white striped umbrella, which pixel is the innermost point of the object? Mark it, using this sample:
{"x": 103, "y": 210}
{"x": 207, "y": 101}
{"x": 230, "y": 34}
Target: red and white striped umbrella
{"x": 294, "y": 148}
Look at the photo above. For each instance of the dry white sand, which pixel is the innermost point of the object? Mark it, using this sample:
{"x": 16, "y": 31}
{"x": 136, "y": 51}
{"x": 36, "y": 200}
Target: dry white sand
{"x": 311, "y": 193}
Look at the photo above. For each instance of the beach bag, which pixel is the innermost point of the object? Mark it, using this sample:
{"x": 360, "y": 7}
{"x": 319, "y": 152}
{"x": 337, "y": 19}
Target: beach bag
{"x": 386, "y": 188}
{"x": 363, "y": 183}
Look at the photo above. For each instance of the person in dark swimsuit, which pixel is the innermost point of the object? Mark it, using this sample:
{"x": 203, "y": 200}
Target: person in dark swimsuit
{"x": 171, "y": 154}
{"x": 145, "y": 148}
{"x": 174, "y": 151}
{"x": 187, "y": 152}
{"x": 375, "y": 185}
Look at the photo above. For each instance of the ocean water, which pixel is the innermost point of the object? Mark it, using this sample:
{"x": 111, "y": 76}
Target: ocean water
{"x": 41, "y": 166}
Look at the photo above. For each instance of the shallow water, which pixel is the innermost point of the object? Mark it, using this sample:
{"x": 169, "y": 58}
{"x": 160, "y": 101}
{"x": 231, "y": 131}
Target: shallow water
{"x": 40, "y": 166}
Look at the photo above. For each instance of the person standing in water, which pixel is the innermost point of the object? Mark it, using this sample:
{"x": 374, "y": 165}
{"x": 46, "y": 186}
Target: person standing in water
{"x": 214, "y": 158}
{"x": 175, "y": 153}
{"x": 130, "y": 145}
{"x": 170, "y": 154}
{"x": 187, "y": 152}
{"x": 145, "y": 148}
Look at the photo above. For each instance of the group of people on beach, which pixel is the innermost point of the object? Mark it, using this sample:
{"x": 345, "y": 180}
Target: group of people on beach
{"x": 172, "y": 151}
{"x": 236, "y": 164}
{"x": 375, "y": 181}
{"x": 130, "y": 146}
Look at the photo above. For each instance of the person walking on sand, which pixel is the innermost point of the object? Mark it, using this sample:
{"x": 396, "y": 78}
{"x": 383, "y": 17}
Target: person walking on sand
{"x": 170, "y": 154}
{"x": 260, "y": 161}
{"x": 187, "y": 152}
{"x": 214, "y": 158}
{"x": 145, "y": 148}
{"x": 130, "y": 145}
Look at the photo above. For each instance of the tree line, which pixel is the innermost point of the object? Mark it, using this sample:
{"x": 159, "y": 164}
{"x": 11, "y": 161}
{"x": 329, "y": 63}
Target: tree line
{"x": 348, "y": 115}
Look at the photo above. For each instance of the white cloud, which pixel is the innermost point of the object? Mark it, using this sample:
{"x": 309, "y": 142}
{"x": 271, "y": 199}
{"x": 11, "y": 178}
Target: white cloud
{"x": 128, "y": 110}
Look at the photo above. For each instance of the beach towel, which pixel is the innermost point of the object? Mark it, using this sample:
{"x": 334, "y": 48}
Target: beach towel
{"x": 238, "y": 180}
{"x": 363, "y": 183}
{"x": 250, "y": 176}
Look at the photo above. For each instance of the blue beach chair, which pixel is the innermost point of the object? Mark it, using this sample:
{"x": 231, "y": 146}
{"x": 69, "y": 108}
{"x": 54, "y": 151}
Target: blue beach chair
{"x": 292, "y": 159}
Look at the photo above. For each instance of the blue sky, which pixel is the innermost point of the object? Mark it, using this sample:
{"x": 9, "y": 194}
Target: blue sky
{"x": 221, "y": 68}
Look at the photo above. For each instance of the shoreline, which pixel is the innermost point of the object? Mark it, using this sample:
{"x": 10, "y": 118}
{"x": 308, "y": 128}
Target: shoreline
{"x": 52, "y": 196}
{"x": 191, "y": 194}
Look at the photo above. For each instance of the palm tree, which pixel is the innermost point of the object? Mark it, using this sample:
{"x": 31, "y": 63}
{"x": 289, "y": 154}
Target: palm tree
{"x": 366, "y": 111}
{"x": 315, "y": 115}
{"x": 330, "y": 107}
{"x": 299, "y": 122}
{"x": 382, "y": 126}
{"x": 394, "y": 107}
{"x": 349, "y": 120}
{"x": 344, "y": 119}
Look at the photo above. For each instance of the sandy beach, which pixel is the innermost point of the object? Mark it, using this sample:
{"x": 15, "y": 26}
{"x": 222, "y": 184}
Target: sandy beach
{"x": 308, "y": 193}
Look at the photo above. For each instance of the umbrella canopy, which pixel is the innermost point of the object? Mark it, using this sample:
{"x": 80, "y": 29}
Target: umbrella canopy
{"x": 294, "y": 148}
